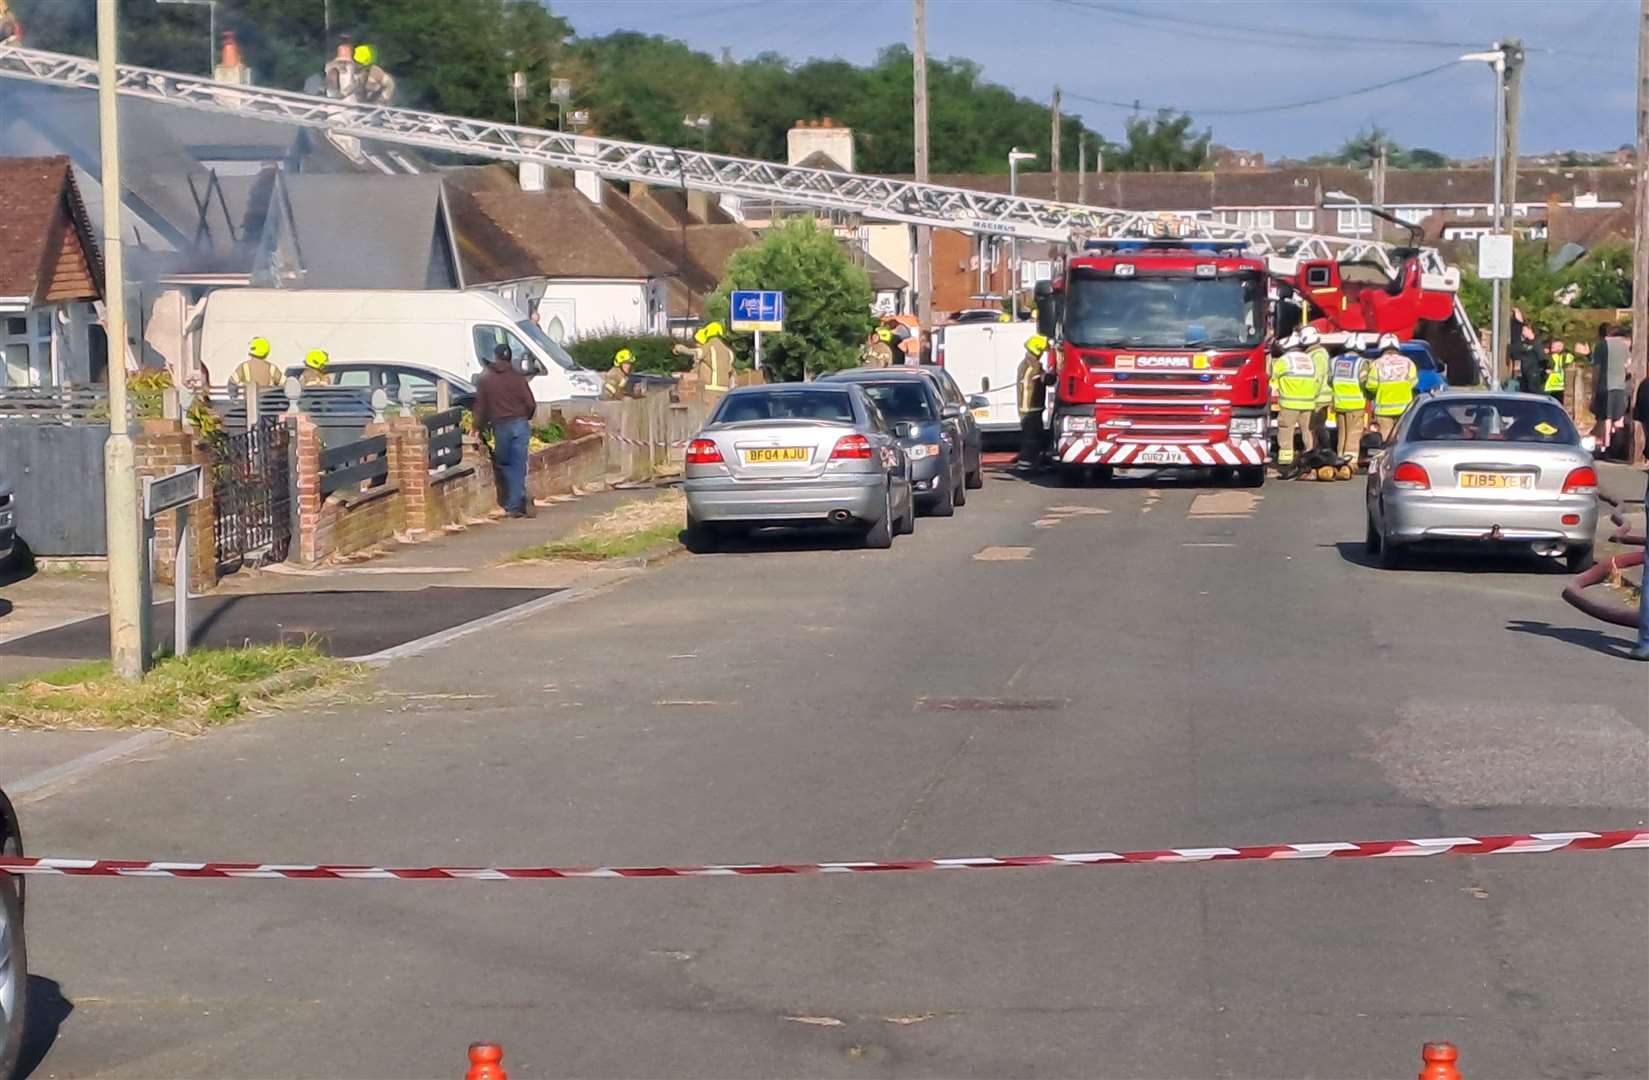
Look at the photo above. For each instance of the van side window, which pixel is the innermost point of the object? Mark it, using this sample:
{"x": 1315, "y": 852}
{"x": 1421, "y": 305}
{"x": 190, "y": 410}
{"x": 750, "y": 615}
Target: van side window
{"x": 487, "y": 338}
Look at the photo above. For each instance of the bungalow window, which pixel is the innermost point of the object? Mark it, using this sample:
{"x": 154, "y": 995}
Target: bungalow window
{"x": 1304, "y": 219}
{"x": 1353, "y": 221}
{"x": 1265, "y": 219}
{"x": 26, "y": 344}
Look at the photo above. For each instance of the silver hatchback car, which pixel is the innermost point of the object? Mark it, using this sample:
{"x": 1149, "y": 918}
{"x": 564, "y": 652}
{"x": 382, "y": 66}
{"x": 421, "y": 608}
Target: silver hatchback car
{"x": 798, "y": 454}
{"x": 1484, "y": 468}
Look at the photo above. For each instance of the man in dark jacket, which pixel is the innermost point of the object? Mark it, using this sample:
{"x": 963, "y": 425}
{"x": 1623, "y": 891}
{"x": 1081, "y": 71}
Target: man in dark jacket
{"x": 504, "y": 405}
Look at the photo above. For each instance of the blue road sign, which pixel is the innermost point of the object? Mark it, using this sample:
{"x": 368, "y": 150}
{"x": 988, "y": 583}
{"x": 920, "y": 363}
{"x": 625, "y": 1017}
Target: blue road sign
{"x": 758, "y": 310}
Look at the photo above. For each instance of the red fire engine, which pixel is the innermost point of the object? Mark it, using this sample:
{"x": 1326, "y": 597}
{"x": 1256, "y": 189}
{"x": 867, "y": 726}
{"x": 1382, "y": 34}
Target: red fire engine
{"x": 1161, "y": 346}
{"x": 1161, "y": 356}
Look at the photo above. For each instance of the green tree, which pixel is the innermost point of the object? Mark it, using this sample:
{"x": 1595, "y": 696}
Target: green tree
{"x": 1604, "y": 278}
{"x": 826, "y": 297}
{"x": 1163, "y": 143}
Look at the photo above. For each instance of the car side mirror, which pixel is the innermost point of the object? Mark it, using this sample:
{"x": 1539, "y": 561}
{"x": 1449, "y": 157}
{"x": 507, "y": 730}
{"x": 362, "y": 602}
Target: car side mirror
{"x": 1588, "y": 443}
{"x": 979, "y": 401}
{"x": 950, "y": 410}
{"x": 902, "y": 430}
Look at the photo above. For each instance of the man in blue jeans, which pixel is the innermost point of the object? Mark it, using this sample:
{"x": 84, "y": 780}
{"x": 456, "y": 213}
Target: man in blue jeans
{"x": 504, "y": 405}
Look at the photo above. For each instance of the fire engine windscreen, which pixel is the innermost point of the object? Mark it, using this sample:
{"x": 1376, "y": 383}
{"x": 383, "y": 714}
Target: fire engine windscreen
{"x": 1164, "y": 312}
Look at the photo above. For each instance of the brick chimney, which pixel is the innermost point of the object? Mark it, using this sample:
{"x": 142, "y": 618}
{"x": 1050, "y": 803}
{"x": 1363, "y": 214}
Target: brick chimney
{"x": 231, "y": 68}
{"x": 821, "y": 136}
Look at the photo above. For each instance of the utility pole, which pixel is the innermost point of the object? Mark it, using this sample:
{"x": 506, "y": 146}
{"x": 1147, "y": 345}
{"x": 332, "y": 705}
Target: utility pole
{"x": 1082, "y": 164}
{"x": 126, "y": 614}
{"x": 1505, "y": 214}
{"x": 924, "y": 234}
{"x": 1379, "y": 190}
{"x": 1059, "y": 193}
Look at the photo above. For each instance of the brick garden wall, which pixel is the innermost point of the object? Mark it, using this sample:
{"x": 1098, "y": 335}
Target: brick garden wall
{"x": 162, "y": 447}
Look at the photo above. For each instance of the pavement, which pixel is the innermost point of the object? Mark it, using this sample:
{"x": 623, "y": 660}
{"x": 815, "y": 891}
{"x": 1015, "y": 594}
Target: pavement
{"x": 1144, "y": 665}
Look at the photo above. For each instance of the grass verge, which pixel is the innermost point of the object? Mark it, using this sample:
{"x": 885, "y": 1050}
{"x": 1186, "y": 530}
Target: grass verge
{"x": 181, "y": 693}
{"x": 627, "y": 531}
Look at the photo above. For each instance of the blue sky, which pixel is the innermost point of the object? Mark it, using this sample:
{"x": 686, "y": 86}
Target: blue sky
{"x": 1232, "y": 54}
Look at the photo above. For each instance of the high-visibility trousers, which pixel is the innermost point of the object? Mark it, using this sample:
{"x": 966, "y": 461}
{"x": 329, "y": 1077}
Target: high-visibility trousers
{"x": 1288, "y": 422}
{"x": 1351, "y": 425}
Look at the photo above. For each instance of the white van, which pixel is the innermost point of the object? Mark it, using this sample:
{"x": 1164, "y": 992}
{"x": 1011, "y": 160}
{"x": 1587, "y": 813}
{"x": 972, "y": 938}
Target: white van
{"x": 451, "y": 330}
{"x": 983, "y": 358}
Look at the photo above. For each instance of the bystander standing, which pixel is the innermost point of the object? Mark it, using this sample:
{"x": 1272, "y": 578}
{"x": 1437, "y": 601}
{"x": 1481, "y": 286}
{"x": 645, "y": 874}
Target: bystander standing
{"x": 504, "y": 405}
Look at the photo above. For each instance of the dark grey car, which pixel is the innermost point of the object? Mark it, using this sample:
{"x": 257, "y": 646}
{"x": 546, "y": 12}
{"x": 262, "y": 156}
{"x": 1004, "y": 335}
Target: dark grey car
{"x": 933, "y": 444}
{"x": 956, "y": 410}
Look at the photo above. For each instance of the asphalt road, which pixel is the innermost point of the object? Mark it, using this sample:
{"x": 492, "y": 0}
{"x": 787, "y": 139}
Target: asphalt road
{"x": 1167, "y": 666}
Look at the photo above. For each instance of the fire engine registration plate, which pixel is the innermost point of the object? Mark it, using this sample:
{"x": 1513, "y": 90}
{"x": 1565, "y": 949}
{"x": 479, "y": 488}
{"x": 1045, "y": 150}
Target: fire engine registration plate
{"x": 1498, "y": 480}
{"x": 1163, "y": 456}
{"x": 768, "y": 455}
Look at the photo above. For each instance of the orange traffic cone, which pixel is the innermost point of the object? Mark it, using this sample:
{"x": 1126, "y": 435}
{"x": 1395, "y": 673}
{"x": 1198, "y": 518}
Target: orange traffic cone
{"x": 486, "y": 1062}
{"x": 1439, "y": 1059}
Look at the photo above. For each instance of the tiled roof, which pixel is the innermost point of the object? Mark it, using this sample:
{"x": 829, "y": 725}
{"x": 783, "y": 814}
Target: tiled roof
{"x": 38, "y": 196}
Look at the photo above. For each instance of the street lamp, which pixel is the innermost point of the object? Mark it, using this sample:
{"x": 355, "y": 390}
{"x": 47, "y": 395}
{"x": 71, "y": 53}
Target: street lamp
{"x": 1496, "y": 58}
{"x": 1015, "y": 156}
{"x": 211, "y": 7}
{"x": 1357, "y": 222}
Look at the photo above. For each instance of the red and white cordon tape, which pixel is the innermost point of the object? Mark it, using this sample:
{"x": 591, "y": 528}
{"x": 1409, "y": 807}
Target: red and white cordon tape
{"x": 1527, "y": 843}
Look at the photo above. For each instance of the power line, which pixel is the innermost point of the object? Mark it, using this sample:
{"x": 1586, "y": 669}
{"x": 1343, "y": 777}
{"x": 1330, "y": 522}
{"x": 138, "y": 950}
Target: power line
{"x": 1279, "y": 107}
{"x": 1288, "y": 35}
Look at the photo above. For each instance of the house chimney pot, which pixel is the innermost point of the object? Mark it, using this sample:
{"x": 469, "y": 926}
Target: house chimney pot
{"x": 231, "y": 68}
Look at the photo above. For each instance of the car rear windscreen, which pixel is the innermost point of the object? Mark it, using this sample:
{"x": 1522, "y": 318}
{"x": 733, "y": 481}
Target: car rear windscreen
{"x": 1493, "y": 420}
{"x": 900, "y": 400}
{"x": 832, "y": 405}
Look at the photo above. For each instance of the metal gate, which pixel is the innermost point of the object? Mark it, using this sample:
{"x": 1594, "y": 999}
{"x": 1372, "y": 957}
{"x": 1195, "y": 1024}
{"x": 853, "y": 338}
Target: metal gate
{"x": 252, "y": 494}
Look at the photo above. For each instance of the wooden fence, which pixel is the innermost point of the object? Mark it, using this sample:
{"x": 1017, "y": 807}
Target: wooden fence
{"x": 346, "y": 468}
{"x": 446, "y": 440}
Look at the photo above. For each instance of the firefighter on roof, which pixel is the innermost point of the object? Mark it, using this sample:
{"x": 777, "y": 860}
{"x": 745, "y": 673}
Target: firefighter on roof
{"x": 257, "y": 369}
{"x": 1297, "y": 376}
{"x": 377, "y": 87}
{"x": 1391, "y": 379}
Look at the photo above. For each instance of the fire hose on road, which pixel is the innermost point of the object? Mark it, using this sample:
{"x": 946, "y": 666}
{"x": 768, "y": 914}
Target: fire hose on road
{"x": 1597, "y": 607}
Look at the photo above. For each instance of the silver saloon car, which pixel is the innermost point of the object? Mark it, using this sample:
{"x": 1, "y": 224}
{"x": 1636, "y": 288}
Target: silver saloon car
{"x": 1484, "y": 468}
{"x": 798, "y": 454}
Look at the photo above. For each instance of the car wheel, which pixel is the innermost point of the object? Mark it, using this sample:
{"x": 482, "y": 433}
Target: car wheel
{"x": 1251, "y": 476}
{"x": 1371, "y": 539}
{"x": 1577, "y": 559}
{"x": 880, "y": 534}
{"x": 14, "y": 969}
{"x": 701, "y": 539}
{"x": 1392, "y": 556}
{"x": 976, "y": 478}
{"x": 959, "y": 494}
{"x": 944, "y": 505}
{"x": 907, "y": 520}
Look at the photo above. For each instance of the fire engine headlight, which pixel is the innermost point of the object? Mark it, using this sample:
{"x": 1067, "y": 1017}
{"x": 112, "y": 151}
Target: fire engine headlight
{"x": 1078, "y": 425}
{"x": 1248, "y": 425}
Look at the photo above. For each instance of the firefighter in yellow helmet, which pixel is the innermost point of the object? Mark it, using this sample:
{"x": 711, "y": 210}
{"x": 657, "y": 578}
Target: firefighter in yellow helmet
{"x": 712, "y": 357}
{"x": 1296, "y": 377}
{"x": 880, "y": 351}
{"x": 1350, "y": 405}
{"x": 314, "y": 369}
{"x": 616, "y": 383}
{"x": 257, "y": 369}
{"x": 376, "y": 85}
{"x": 1390, "y": 380}
{"x": 1033, "y": 397}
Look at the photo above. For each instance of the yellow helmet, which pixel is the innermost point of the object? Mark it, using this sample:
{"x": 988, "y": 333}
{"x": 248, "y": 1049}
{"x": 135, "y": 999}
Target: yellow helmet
{"x": 1004, "y": 317}
{"x": 258, "y": 349}
{"x": 885, "y": 334}
{"x": 316, "y": 358}
{"x": 623, "y": 356}
{"x": 707, "y": 331}
{"x": 1036, "y": 345}
{"x": 366, "y": 55}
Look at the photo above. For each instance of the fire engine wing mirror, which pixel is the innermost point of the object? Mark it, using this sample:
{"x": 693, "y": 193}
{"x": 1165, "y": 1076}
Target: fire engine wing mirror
{"x": 1047, "y": 309}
